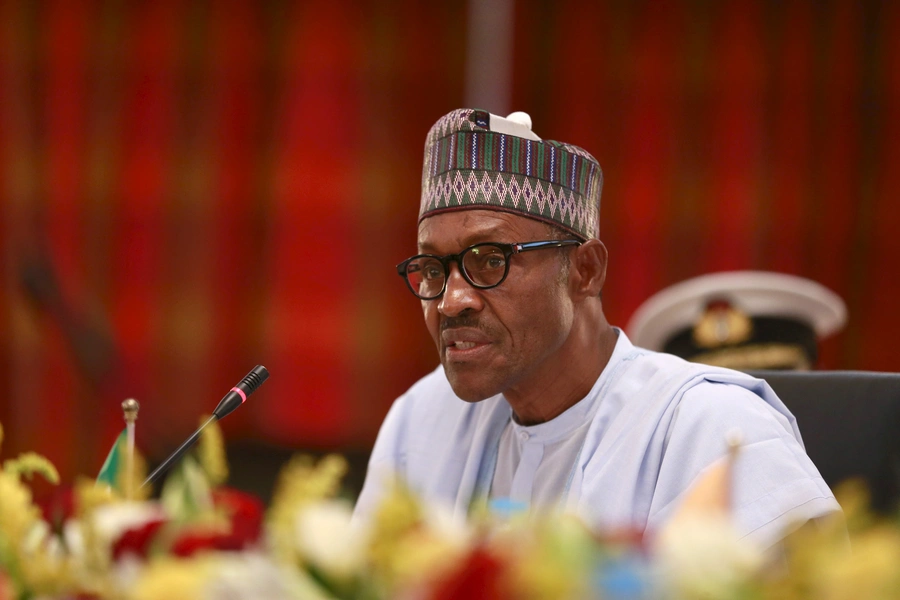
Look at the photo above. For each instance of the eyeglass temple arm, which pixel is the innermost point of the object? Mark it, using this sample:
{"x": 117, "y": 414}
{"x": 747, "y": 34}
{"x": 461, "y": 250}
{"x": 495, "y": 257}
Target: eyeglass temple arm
{"x": 543, "y": 244}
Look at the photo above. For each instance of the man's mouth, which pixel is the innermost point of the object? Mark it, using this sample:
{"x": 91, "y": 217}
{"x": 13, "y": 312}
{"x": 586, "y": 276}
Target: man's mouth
{"x": 460, "y": 351}
{"x": 464, "y": 345}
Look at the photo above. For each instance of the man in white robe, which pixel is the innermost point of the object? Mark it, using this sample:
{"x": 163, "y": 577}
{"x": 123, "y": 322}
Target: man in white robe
{"x": 539, "y": 401}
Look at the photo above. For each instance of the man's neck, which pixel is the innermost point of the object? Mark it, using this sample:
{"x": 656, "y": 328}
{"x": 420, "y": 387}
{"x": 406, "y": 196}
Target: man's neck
{"x": 569, "y": 382}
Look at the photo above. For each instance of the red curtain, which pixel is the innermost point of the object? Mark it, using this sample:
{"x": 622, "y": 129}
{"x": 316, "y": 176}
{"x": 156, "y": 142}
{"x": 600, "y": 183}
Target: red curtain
{"x": 191, "y": 188}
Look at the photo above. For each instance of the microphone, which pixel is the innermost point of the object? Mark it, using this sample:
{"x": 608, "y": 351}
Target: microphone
{"x": 238, "y": 394}
{"x": 234, "y": 398}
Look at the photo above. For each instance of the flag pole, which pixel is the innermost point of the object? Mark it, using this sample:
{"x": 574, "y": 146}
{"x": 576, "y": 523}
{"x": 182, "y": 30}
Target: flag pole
{"x": 130, "y": 409}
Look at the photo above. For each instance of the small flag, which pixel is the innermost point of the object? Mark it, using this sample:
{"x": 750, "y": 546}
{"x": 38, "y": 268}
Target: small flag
{"x": 115, "y": 462}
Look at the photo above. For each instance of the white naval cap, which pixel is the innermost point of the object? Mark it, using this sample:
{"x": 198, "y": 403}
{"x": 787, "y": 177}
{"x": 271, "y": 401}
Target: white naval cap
{"x": 774, "y": 302}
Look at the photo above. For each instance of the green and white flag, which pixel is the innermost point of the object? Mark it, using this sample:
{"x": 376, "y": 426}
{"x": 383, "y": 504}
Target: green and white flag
{"x": 115, "y": 462}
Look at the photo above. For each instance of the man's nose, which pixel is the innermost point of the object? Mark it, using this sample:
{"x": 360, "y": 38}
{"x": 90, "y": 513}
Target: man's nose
{"x": 459, "y": 295}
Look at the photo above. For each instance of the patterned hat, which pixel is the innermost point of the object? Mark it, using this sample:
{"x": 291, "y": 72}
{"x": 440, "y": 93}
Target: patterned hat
{"x": 474, "y": 159}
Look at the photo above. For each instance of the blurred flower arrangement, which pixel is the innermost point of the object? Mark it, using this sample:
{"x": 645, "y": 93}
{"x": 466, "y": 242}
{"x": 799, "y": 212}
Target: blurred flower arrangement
{"x": 201, "y": 539}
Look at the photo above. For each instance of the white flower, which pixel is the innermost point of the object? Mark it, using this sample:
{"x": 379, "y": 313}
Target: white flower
{"x": 453, "y": 530}
{"x": 111, "y": 521}
{"x": 327, "y": 539}
{"x": 703, "y": 556}
{"x": 248, "y": 576}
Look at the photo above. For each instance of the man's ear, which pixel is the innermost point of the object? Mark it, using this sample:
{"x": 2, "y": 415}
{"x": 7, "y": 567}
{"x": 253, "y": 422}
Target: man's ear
{"x": 589, "y": 265}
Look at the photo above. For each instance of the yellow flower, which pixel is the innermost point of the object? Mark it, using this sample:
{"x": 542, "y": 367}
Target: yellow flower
{"x": 171, "y": 578}
{"x": 17, "y": 513}
{"x": 870, "y": 571}
{"x": 24, "y": 537}
{"x": 29, "y": 463}
{"x": 130, "y": 481}
{"x": 95, "y": 549}
{"x": 89, "y": 496}
{"x": 48, "y": 575}
{"x": 212, "y": 453}
{"x": 398, "y": 517}
{"x": 300, "y": 483}
{"x": 551, "y": 557}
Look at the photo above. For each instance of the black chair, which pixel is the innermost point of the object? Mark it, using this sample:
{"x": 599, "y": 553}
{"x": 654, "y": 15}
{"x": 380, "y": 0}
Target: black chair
{"x": 850, "y": 423}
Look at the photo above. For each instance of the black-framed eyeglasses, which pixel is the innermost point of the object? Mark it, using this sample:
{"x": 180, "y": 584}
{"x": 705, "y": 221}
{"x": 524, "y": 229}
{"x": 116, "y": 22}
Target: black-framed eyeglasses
{"x": 483, "y": 266}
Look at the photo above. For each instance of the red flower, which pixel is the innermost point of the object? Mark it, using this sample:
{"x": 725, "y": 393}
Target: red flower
{"x": 7, "y": 589}
{"x": 191, "y": 542}
{"x": 245, "y": 511}
{"x": 137, "y": 540}
{"x": 481, "y": 576}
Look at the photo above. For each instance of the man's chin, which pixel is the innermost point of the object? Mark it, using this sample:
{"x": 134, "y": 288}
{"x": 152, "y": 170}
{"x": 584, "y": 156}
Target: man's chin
{"x": 470, "y": 390}
{"x": 473, "y": 398}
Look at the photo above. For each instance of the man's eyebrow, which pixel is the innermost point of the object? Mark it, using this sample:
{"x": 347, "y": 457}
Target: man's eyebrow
{"x": 425, "y": 247}
{"x": 489, "y": 235}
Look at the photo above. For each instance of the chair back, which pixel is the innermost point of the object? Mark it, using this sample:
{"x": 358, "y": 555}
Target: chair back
{"x": 850, "y": 423}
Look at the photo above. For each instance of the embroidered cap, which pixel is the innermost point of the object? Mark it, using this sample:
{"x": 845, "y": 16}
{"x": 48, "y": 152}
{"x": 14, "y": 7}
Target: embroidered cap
{"x": 474, "y": 159}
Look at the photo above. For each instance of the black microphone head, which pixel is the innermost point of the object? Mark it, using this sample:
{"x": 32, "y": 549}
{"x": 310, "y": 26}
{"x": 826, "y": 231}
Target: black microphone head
{"x": 254, "y": 379}
{"x": 239, "y": 393}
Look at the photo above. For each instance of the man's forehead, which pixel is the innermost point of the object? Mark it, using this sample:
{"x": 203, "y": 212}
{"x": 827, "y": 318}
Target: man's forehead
{"x": 467, "y": 227}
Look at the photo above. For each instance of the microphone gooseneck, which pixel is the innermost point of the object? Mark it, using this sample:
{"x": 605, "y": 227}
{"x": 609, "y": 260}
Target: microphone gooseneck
{"x": 234, "y": 398}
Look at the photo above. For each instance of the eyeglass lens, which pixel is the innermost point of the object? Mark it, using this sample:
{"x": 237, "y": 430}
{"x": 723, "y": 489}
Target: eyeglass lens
{"x": 484, "y": 266}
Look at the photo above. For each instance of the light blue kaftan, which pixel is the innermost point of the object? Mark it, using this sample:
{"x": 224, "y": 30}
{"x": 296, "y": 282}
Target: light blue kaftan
{"x": 655, "y": 423}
